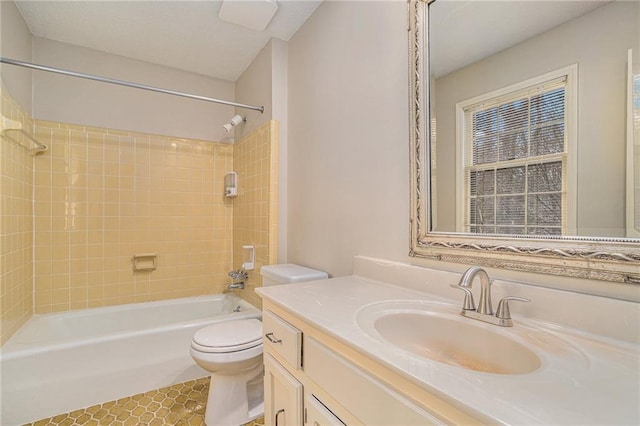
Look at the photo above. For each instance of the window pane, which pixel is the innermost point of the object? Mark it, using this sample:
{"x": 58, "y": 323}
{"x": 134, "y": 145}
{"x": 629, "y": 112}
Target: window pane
{"x": 545, "y": 177}
{"x": 510, "y": 210}
{"x": 485, "y": 122}
{"x": 482, "y": 182}
{"x": 547, "y": 140}
{"x": 485, "y": 150}
{"x": 485, "y": 139}
{"x": 513, "y": 145}
{"x": 545, "y": 209}
{"x": 482, "y": 211}
{"x": 510, "y": 180}
{"x": 513, "y": 115}
{"x": 547, "y": 106}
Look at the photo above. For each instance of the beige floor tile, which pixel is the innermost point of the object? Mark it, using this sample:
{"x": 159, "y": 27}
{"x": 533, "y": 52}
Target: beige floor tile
{"x": 178, "y": 405}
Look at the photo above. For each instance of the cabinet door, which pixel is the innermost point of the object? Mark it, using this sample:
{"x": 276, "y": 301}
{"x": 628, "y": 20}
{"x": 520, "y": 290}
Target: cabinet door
{"x": 316, "y": 414}
{"x": 282, "y": 395}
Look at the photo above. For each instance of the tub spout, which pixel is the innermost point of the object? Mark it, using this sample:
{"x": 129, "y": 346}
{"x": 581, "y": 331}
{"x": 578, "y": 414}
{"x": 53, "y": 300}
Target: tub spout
{"x": 484, "y": 305}
{"x": 236, "y": 286}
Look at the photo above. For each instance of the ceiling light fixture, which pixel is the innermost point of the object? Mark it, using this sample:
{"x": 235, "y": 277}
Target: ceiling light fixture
{"x": 254, "y": 14}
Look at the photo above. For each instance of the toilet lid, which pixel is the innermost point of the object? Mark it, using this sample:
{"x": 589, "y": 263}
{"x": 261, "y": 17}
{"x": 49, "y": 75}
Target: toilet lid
{"x": 229, "y": 336}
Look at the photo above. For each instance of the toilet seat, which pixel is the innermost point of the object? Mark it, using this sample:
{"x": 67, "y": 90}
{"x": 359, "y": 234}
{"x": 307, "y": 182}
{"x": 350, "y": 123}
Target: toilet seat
{"x": 228, "y": 336}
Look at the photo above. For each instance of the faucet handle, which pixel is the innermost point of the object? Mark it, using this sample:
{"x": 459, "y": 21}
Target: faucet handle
{"x": 468, "y": 304}
{"x": 503, "y": 311}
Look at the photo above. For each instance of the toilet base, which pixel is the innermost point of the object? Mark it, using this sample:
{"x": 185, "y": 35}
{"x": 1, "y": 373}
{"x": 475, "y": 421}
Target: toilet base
{"x": 236, "y": 399}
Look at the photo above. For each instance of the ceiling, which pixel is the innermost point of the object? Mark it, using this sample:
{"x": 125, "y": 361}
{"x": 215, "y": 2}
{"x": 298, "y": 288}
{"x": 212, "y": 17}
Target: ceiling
{"x": 186, "y": 35}
{"x": 465, "y": 31}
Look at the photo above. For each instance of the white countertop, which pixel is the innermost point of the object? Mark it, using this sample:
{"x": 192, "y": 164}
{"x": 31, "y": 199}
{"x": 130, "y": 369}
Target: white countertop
{"x": 583, "y": 378}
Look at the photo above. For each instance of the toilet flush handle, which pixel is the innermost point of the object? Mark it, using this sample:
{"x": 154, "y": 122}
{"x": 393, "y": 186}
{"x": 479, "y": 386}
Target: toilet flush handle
{"x": 272, "y": 339}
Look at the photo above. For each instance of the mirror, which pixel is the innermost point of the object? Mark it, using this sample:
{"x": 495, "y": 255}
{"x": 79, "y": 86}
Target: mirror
{"x": 523, "y": 148}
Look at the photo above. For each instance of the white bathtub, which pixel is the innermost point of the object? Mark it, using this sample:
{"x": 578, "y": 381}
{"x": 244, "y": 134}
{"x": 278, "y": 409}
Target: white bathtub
{"x": 57, "y": 363}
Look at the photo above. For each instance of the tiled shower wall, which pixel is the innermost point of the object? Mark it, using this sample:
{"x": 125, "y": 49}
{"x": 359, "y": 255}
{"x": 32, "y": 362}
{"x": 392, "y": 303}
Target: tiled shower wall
{"x": 103, "y": 196}
{"x": 16, "y": 233}
{"x": 255, "y": 213}
{"x": 74, "y": 216}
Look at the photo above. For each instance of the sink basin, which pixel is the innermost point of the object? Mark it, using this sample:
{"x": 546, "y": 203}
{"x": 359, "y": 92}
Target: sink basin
{"x": 437, "y": 332}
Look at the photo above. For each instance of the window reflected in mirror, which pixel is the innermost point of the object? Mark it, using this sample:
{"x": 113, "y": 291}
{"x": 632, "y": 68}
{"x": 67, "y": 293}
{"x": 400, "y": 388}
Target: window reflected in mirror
{"x": 515, "y": 147}
{"x": 529, "y": 100}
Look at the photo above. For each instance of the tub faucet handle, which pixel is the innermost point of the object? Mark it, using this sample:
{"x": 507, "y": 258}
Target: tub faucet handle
{"x": 239, "y": 274}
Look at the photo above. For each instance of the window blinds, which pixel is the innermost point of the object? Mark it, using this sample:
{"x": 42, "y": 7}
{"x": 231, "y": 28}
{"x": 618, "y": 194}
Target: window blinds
{"x": 515, "y": 161}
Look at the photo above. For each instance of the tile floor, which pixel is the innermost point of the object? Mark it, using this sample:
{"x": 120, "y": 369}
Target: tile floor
{"x": 182, "y": 404}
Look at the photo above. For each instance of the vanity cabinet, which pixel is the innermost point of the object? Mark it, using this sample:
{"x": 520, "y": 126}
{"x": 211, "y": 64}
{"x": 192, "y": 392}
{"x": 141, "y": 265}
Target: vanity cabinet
{"x": 283, "y": 391}
{"x": 283, "y": 394}
{"x": 316, "y": 414}
{"x": 326, "y": 383}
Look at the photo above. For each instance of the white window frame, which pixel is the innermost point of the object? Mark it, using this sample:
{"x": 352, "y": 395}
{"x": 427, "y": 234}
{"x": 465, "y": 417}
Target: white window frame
{"x": 569, "y": 214}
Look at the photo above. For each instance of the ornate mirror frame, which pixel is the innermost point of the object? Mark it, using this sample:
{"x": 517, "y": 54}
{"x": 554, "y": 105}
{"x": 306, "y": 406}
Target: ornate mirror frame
{"x": 607, "y": 259}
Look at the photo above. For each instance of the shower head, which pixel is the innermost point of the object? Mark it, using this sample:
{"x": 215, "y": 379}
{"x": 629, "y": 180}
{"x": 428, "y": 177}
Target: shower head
{"x": 234, "y": 122}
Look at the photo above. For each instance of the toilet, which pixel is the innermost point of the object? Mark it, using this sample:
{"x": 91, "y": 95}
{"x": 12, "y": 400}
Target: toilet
{"x": 232, "y": 352}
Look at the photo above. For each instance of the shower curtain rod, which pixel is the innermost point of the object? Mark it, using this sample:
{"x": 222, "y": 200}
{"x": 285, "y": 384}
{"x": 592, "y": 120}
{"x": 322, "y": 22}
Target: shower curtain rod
{"x": 126, "y": 83}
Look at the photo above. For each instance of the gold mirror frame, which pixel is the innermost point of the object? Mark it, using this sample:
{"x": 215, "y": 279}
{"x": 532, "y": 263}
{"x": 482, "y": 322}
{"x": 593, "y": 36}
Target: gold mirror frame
{"x": 607, "y": 259}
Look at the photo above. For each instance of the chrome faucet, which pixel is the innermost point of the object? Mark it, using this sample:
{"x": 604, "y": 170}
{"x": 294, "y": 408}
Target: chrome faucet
{"x": 239, "y": 285}
{"x": 484, "y": 312}
{"x": 237, "y": 279}
{"x": 466, "y": 281}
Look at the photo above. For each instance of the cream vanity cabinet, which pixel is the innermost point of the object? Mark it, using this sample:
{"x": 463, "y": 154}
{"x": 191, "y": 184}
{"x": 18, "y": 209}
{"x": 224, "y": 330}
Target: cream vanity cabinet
{"x": 313, "y": 379}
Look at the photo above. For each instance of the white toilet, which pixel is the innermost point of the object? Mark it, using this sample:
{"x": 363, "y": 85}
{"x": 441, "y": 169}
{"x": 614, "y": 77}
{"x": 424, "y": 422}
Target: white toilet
{"x": 232, "y": 352}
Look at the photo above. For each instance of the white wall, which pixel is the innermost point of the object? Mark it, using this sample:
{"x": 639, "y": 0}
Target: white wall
{"x": 598, "y": 43}
{"x": 15, "y": 44}
{"x": 74, "y": 100}
{"x": 348, "y": 159}
{"x": 280, "y": 112}
{"x": 253, "y": 87}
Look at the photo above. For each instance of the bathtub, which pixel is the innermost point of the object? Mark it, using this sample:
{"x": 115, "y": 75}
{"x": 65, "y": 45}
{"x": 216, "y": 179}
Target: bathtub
{"x": 60, "y": 362}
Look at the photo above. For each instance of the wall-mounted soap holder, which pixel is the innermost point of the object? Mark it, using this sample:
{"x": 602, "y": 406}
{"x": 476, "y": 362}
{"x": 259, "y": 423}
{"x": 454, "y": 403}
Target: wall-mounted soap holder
{"x": 248, "y": 257}
{"x": 231, "y": 184}
{"x": 144, "y": 262}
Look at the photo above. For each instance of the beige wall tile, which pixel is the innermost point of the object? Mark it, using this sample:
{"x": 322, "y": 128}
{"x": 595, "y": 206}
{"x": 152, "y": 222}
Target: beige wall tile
{"x": 255, "y": 160}
{"x": 105, "y": 195}
{"x": 16, "y": 225}
{"x": 99, "y": 196}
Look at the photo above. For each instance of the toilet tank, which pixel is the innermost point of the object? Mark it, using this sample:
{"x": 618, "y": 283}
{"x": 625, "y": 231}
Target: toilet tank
{"x": 289, "y": 273}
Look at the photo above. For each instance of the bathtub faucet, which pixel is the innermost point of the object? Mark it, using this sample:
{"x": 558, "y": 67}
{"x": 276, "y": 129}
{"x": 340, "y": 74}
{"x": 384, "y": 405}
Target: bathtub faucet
{"x": 237, "y": 279}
